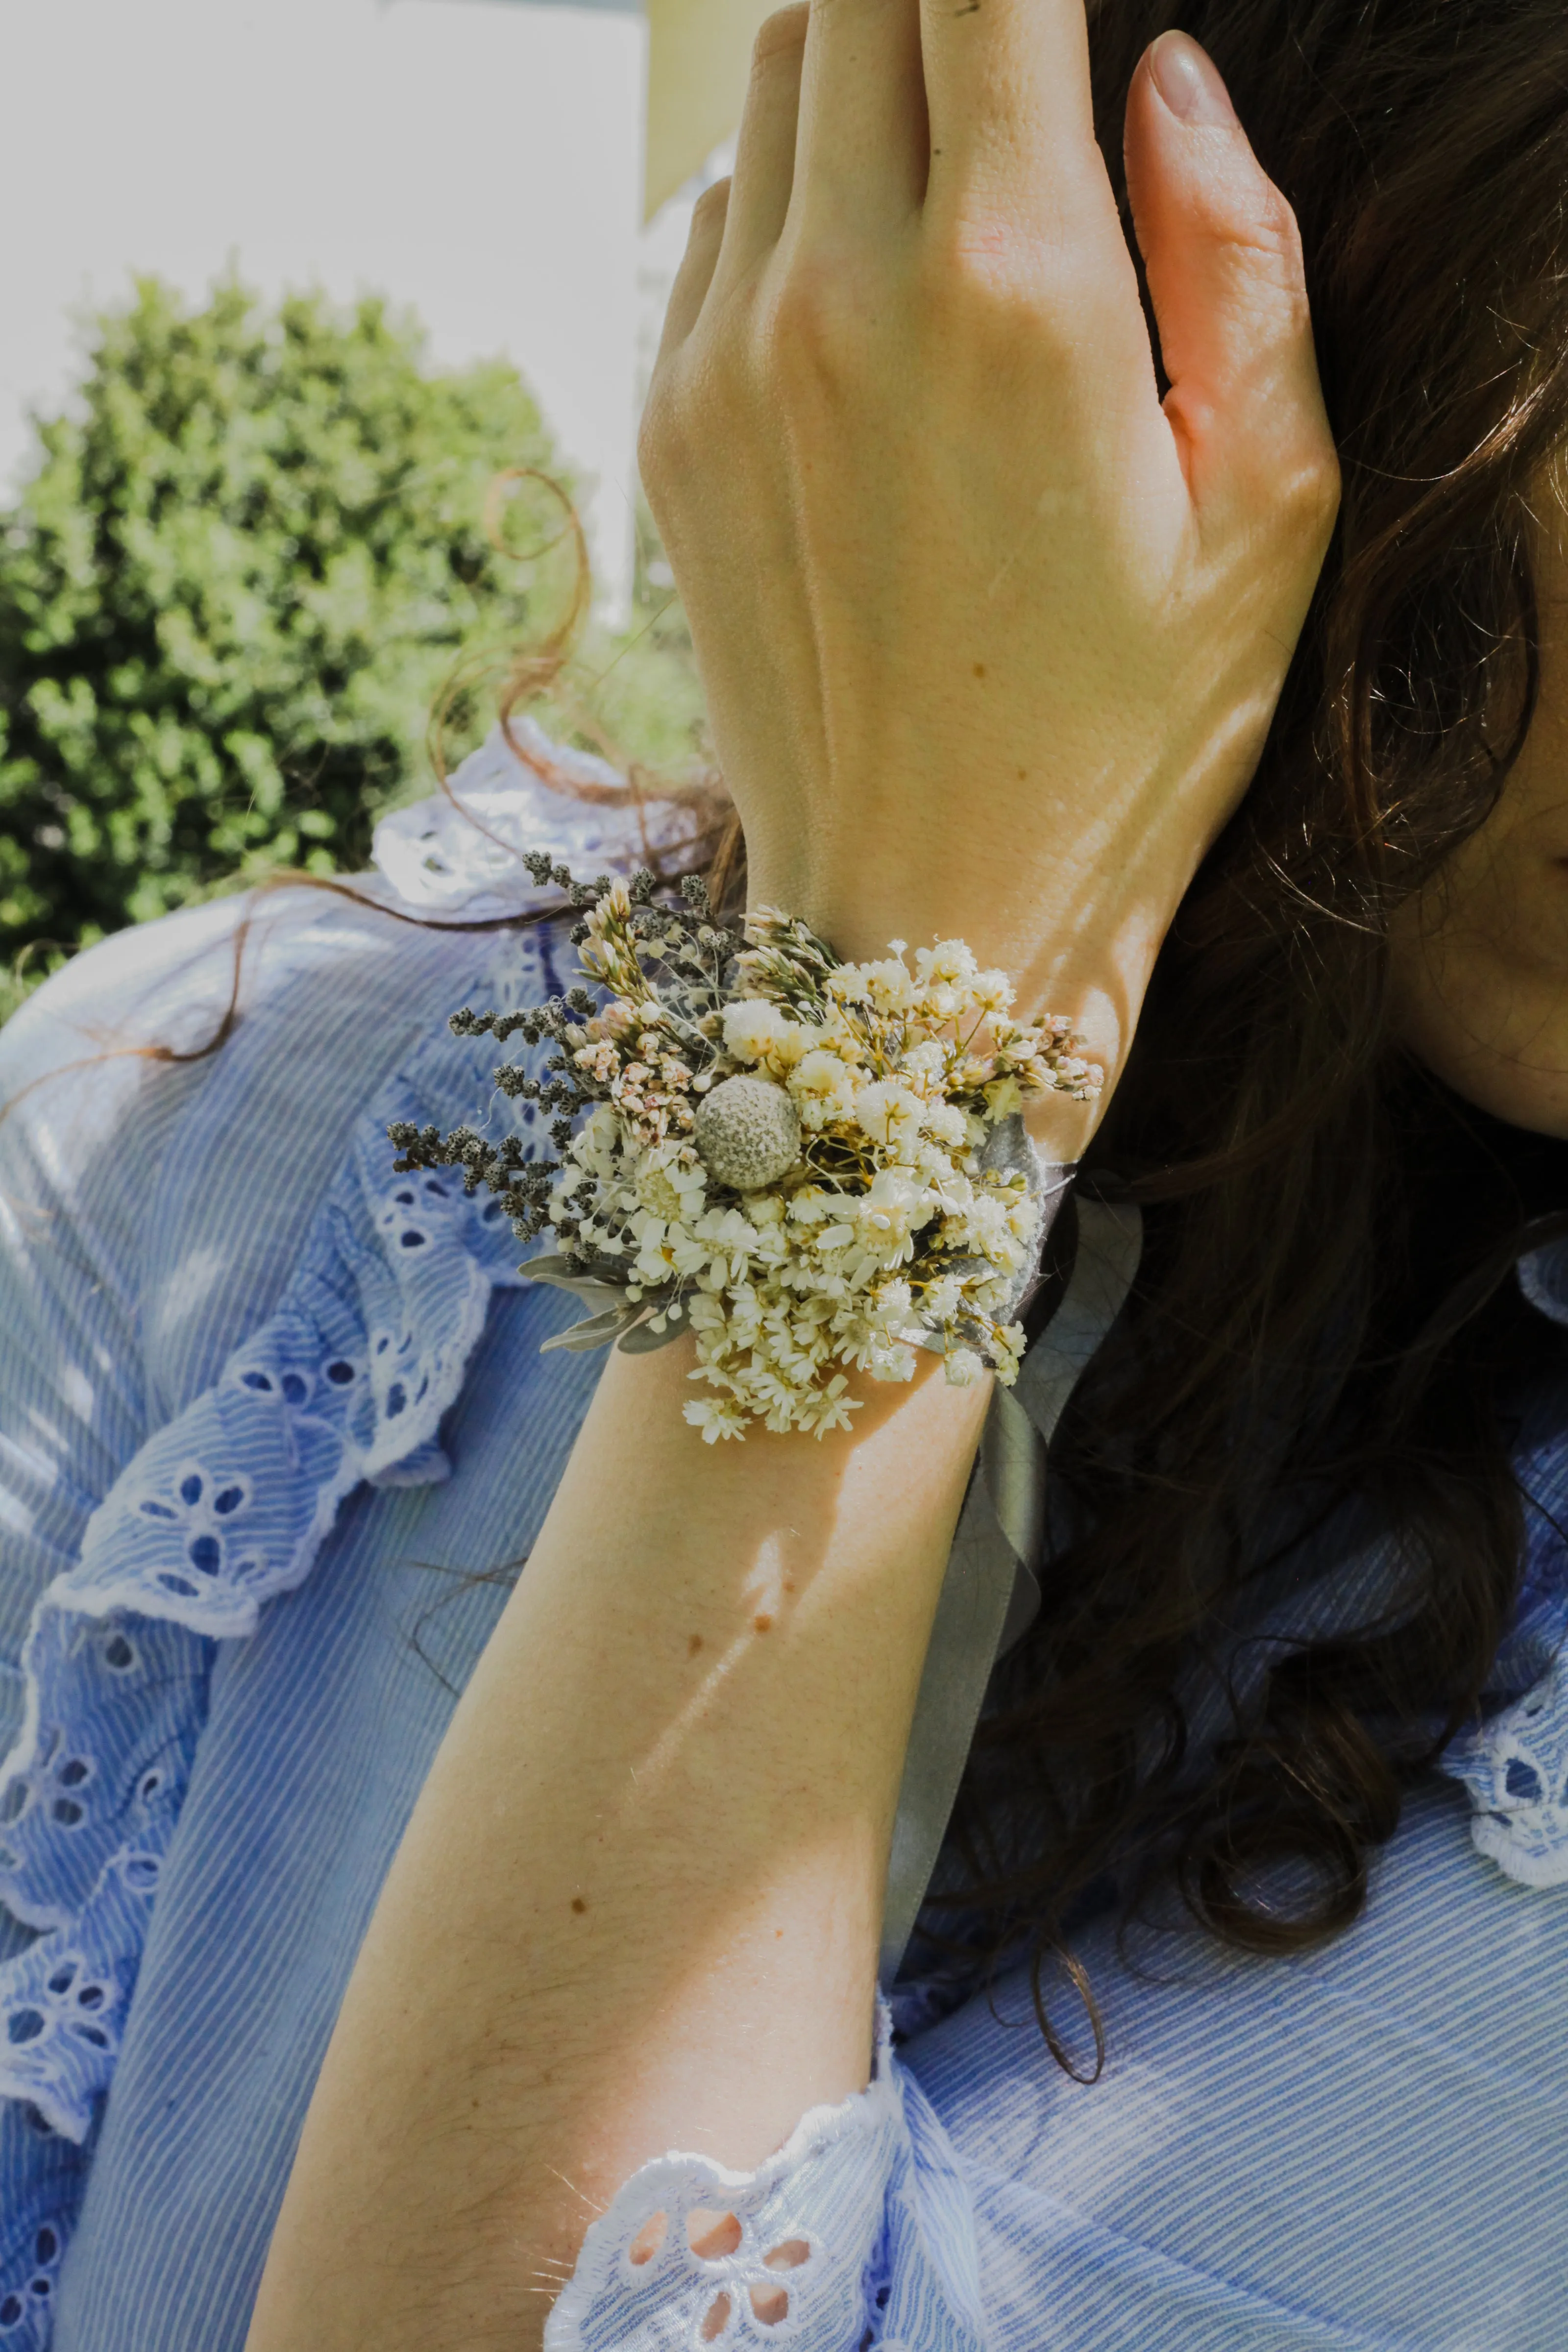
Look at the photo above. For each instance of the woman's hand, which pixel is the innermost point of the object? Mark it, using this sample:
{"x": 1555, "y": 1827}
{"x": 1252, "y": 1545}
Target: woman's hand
{"x": 991, "y": 635}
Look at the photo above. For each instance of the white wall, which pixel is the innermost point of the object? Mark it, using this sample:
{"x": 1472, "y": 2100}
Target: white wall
{"x": 479, "y": 159}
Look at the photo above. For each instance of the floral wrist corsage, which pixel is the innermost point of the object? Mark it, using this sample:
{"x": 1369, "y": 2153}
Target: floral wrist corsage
{"x": 812, "y": 1165}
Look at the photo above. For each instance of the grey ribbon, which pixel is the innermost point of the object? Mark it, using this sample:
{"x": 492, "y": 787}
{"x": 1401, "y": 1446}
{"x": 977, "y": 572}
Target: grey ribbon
{"x": 990, "y": 1595}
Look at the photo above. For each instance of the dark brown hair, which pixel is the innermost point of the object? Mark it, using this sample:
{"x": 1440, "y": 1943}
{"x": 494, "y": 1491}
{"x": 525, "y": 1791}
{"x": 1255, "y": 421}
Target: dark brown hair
{"x": 1320, "y": 1334}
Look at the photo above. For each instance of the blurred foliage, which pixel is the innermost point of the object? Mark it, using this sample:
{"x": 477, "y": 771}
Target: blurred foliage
{"x": 17, "y": 984}
{"x": 253, "y": 549}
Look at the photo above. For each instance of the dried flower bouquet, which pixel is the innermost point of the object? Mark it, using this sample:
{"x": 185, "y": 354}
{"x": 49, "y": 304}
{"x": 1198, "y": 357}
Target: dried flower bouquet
{"x": 815, "y": 1166}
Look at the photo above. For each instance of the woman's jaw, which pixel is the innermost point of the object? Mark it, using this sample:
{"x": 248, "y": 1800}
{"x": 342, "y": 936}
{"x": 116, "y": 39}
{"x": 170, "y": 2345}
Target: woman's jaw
{"x": 1480, "y": 957}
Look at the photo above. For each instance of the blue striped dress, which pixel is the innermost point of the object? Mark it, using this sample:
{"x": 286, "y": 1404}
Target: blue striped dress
{"x": 274, "y": 1432}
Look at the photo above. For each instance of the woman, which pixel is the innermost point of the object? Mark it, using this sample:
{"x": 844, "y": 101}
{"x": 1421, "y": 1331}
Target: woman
{"x": 994, "y": 642}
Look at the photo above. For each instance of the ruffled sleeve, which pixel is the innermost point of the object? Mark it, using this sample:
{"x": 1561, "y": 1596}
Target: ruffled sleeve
{"x": 145, "y": 1518}
{"x": 73, "y": 1412}
{"x": 858, "y": 2233}
{"x": 221, "y": 1510}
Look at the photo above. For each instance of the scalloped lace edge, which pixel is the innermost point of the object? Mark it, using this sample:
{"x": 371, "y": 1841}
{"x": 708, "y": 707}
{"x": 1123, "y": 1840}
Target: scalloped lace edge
{"x": 859, "y": 2115}
{"x": 423, "y": 1423}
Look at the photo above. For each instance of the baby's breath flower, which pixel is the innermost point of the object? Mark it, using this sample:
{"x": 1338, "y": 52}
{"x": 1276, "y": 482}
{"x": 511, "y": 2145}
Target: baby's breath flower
{"x": 949, "y": 959}
{"x": 990, "y": 991}
{"x": 752, "y": 1025}
{"x": 943, "y": 1297}
{"x": 937, "y": 1003}
{"x": 889, "y": 1111}
{"x": 888, "y": 985}
{"x": 943, "y": 1123}
{"x": 823, "y": 1087}
{"x": 716, "y": 1417}
{"x": 927, "y": 1062}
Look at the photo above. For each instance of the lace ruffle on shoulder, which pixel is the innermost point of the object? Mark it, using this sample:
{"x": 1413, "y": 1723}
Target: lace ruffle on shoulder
{"x": 459, "y": 852}
{"x": 828, "y": 2246}
{"x": 223, "y": 1509}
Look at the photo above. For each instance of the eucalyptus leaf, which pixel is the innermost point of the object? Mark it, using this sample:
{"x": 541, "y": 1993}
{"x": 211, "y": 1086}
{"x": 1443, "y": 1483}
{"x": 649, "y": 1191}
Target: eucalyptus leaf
{"x": 570, "y": 1274}
{"x": 599, "y": 1329}
{"x": 1007, "y": 1152}
{"x": 642, "y": 1340}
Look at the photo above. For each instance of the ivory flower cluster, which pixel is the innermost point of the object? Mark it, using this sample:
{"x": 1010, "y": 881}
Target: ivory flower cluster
{"x": 815, "y": 1167}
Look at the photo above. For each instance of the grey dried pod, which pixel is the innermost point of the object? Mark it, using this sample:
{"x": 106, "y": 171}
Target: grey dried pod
{"x": 748, "y": 1133}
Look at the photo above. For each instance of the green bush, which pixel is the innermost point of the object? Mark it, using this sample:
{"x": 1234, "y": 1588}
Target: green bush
{"x": 252, "y": 548}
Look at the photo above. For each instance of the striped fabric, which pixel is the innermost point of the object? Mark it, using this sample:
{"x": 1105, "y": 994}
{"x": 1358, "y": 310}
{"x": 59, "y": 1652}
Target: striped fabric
{"x": 1366, "y": 2148}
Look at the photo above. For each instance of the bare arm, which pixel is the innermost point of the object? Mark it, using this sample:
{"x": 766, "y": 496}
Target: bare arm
{"x": 990, "y": 640}
{"x": 637, "y": 1903}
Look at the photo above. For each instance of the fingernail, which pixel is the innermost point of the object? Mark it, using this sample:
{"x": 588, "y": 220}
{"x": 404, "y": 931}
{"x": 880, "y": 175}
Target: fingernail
{"x": 1186, "y": 78}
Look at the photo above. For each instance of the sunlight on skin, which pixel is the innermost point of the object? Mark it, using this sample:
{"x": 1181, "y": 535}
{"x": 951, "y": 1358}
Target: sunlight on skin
{"x": 671, "y": 1746}
{"x": 1480, "y": 959}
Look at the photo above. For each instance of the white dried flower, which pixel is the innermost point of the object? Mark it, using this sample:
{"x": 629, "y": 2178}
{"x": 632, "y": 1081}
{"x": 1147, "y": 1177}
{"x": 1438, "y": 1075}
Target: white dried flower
{"x": 889, "y": 1111}
{"x": 943, "y": 1298}
{"x": 716, "y": 1417}
{"x": 888, "y": 985}
{"x": 823, "y": 1086}
{"x": 948, "y": 959}
{"x": 990, "y": 991}
{"x": 946, "y": 1124}
{"x": 751, "y": 1026}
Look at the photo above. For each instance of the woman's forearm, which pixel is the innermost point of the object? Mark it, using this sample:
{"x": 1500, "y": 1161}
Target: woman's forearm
{"x": 638, "y": 1906}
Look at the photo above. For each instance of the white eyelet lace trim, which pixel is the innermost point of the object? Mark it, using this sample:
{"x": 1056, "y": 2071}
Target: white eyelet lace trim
{"x": 461, "y": 853}
{"x": 691, "y": 2253}
{"x": 1514, "y": 1765}
{"x": 30, "y": 2279}
{"x": 228, "y": 1505}
{"x": 859, "y": 2233}
{"x": 1516, "y": 1772}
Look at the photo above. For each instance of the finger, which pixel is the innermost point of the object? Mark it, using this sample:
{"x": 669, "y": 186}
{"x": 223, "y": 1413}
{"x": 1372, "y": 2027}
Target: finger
{"x": 765, "y": 151}
{"x": 1223, "y": 262}
{"x": 1007, "y": 88}
{"x": 695, "y": 274}
{"x": 863, "y": 141}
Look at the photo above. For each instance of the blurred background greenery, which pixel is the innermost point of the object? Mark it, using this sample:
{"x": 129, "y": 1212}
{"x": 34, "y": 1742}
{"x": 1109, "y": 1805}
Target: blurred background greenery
{"x": 253, "y": 550}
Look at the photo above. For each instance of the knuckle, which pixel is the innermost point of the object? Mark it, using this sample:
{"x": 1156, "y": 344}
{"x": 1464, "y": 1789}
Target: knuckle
{"x": 712, "y": 203}
{"x": 1012, "y": 274}
{"x": 1000, "y": 308}
{"x": 1265, "y": 240}
{"x": 813, "y": 324}
{"x": 1315, "y": 489}
{"x": 663, "y": 435}
{"x": 780, "y": 35}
